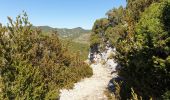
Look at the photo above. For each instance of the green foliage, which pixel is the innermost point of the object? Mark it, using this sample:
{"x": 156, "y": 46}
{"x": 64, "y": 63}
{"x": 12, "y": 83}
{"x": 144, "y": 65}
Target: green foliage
{"x": 95, "y": 39}
{"x": 166, "y": 95}
{"x": 35, "y": 66}
{"x": 145, "y": 57}
{"x": 111, "y": 28}
{"x": 100, "y": 25}
{"x": 141, "y": 34}
{"x": 116, "y": 16}
{"x": 113, "y": 34}
{"x": 136, "y": 7}
{"x": 98, "y": 31}
{"x": 81, "y": 49}
{"x": 133, "y": 13}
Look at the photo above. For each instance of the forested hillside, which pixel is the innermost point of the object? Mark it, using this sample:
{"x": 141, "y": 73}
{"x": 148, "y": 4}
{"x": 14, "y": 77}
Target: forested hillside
{"x": 64, "y": 32}
{"x": 141, "y": 34}
{"x": 34, "y": 66}
{"x": 77, "y": 47}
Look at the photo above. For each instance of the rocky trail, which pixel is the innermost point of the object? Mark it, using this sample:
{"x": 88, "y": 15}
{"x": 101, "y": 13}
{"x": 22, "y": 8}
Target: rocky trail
{"x": 92, "y": 88}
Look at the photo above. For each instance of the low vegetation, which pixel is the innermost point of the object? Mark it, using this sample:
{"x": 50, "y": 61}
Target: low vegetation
{"x": 77, "y": 48}
{"x": 35, "y": 66}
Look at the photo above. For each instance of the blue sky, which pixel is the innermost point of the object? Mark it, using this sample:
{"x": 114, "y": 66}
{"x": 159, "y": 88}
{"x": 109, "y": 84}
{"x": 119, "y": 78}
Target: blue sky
{"x": 59, "y": 13}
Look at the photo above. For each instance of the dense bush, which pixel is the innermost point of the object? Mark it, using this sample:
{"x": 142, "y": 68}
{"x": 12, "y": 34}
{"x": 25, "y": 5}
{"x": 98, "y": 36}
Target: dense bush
{"x": 147, "y": 57}
{"x": 34, "y": 66}
{"x": 108, "y": 29}
{"x": 141, "y": 34}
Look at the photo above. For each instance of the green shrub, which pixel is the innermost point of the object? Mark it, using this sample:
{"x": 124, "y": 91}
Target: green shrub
{"x": 35, "y": 66}
{"x": 145, "y": 60}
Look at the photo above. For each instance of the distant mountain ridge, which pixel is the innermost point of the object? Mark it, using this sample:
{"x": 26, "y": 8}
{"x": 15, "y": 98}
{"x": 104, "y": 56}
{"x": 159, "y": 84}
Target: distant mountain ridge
{"x": 65, "y": 32}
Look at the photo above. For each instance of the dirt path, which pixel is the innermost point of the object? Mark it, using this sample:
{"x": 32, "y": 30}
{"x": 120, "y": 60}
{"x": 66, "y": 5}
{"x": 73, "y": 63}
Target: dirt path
{"x": 90, "y": 88}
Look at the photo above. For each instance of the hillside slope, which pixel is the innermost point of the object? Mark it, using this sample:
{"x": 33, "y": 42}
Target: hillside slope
{"x": 64, "y": 32}
{"x": 84, "y": 38}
